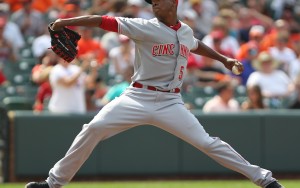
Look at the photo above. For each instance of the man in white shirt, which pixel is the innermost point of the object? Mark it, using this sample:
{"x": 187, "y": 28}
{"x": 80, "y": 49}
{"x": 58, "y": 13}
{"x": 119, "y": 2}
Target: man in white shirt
{"x": 68, "y": 88}
{"x": 223, "y": 101}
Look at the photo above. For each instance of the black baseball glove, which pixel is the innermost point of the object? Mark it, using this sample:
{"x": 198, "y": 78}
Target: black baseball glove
{"x": 64, "y": 42}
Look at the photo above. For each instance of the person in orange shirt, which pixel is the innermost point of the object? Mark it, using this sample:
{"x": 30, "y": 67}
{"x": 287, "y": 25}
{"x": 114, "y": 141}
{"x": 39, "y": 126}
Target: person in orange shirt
{"x": 40, "y": 5}
{"x": 88, "y": 47}
{"x": 256, "y": 35}
{"x": 270, "y": 39}
{"x": 14, "y": 5}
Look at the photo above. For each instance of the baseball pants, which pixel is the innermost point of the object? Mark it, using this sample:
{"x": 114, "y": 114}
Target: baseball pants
{"x": 163, "y": 110}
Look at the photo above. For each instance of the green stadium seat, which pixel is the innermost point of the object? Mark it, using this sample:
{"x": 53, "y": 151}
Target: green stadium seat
{"x": 198, "y": 96}
{"x": 10, "y": 91}
{"x": 103, "y": 73}
{"x": 2, "y": 92}
{"x": 29, "y": 40}
{"x": 21, "y": 79}
{"x": 17, "y": 103}
{"x": 26, "y": 52}
{"x": 240, "y": 91}
{"x": 28, "y": 91}
{"x": 26, "y": 65}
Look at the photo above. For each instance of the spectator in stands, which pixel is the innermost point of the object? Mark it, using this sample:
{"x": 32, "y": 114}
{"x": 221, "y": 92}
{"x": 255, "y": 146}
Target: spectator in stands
{"x": 211, "y": 73}
{"x": 285, "y": 55}
{"x": 256, "y": 35}
{"x": 135, "y": 7}
{"x": 255, "y": 11}
{"x": 40, "y": 76}
{"x": 96, "y": 89}
{"x": 269, "y": 39}
{"x": 223, "y": 101}
{"x": 229, "y": 44}
{"x": 121, "y": 57}
{"x": 12, "y": 32}
{"x": 289, "y": 16}
{"x": 206, "y": 10}
{"x": 39, "y": 5}
{"x": 3, "y": 80}
{"x": 278, "y": 5}
{"x": 91, "y": 85}
{"x": 296, "y": 104}
{"x": 68, "y": 87}
{"x": 110, "y": 40}
{"x": 14, "y": 5}
{"x": 44, "y": 5}
{"x": 71, "y": 9}
{"x": 28, "y": 19}
{"x": 194, "y": 64}
{"x": 102, "y": 7}
{"x": 189, "y": 17}
{"x": 247, "y": 19}
{"x": 117, "y": 90}
{"x": 41, "y": 44}
{"x": 296, "y": 47}
{"x": 6, "y": 48}
{"x": 275, "y": 84}
{"x": 251, "y": 54}
{"x": 88, "y": 47}
{"x": 255, "y": 100}
{"x": 231, "y": 18}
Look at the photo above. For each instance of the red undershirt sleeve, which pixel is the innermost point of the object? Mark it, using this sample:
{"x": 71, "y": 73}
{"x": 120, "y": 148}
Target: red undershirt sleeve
{"x": 109, "y": 23}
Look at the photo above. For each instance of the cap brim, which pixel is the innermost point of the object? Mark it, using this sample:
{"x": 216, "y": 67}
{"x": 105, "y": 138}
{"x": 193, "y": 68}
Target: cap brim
{"x": 149, "y": 1}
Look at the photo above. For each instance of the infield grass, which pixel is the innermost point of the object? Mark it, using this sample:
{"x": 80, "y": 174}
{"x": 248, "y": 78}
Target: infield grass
{"x": 166, "y": 184}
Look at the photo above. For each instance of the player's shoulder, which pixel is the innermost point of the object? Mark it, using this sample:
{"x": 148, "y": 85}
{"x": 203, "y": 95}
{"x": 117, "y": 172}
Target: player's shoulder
{"x": 185, "y": 27}
{"x": 140, "y": 21}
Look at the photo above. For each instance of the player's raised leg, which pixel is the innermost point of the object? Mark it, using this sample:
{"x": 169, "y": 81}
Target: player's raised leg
{"x": 177, "y": 120}
{"x": 119, "y": 115}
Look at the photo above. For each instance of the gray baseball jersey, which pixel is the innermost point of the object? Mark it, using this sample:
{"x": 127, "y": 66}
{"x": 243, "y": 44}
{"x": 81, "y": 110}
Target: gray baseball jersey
{"x": 161, "y": 58}
{"x": 161, "y": 52}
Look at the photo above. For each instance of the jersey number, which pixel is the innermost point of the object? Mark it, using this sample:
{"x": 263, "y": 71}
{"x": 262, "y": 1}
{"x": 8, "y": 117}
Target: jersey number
{"x": 181, "y": 73}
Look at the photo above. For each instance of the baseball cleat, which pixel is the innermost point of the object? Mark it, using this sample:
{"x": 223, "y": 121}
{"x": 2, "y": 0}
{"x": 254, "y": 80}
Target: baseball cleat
{"x": 42, "y": 184}
{"x": 275, "y": 184}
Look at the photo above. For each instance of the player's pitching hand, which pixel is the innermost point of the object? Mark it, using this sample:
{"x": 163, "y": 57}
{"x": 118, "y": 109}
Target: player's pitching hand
{"x": 230, "y": 63}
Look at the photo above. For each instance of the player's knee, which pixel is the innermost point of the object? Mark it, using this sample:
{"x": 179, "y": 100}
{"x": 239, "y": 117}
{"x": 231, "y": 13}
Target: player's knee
{"x": 209, "y": 144}
{"x": 94, "y": 127}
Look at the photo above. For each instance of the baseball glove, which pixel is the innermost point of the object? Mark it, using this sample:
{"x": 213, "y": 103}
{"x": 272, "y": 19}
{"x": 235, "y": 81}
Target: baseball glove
{"x": 64, "y": 42}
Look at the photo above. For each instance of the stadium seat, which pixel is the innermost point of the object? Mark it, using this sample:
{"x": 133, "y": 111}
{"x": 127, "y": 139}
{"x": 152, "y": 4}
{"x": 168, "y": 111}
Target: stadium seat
{"x": 17, "y": 103}
{"x": 103, "y": 73}
{"x": 240, "y": 91}
{"x": 26, "y": 64}
{"x": 26, "y": 52}
{"x": 10, "y": 91}
{"x": 21, "y": 79}
{"x": 198, "y": 96}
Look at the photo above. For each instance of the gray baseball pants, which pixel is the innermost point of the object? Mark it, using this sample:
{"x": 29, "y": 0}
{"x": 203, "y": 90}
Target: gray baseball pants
{"x": 163, "y": 110}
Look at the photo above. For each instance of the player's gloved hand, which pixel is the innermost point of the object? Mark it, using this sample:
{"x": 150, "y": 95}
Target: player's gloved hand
{"x": 234, "y": 62}
{"x": 64, "y": 42}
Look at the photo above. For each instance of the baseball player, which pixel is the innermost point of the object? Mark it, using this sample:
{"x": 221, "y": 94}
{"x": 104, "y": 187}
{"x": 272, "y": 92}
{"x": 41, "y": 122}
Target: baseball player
{"x": 162, "y": 45}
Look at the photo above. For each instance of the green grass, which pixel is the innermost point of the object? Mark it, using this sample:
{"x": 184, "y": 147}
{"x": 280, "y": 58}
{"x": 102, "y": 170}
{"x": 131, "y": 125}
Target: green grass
{"x": 166, "y": 184}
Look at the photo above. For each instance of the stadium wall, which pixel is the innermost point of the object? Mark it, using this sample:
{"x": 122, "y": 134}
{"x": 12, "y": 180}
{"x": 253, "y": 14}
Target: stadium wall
{"x": 266, "y": 138}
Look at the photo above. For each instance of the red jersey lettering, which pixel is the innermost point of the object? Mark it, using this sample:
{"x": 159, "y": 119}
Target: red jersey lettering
{"x": 163, "y": 49}
{"x": 184, "y": 51}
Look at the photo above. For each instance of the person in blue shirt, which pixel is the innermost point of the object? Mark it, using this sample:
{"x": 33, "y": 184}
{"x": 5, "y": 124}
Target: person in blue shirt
{"x": 117, "y": 89}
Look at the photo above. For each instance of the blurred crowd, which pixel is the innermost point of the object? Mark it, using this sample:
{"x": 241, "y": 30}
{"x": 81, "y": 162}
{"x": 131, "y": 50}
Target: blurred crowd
{"x": 263, "y": 34}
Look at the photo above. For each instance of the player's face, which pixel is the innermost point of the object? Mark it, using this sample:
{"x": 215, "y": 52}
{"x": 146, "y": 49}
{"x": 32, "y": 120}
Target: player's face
{"x": 162, "y": 8}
